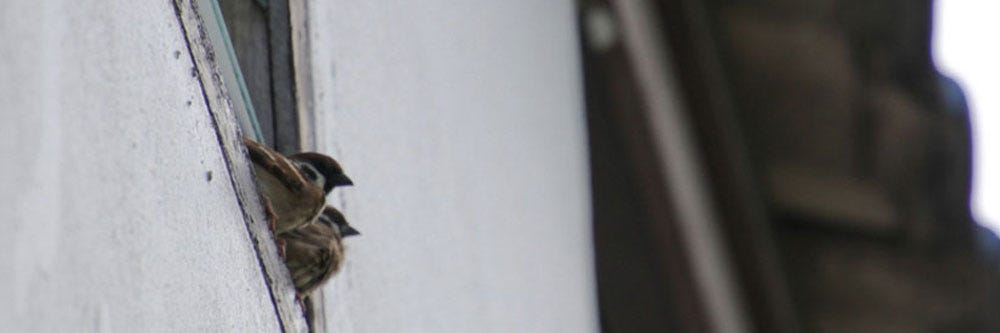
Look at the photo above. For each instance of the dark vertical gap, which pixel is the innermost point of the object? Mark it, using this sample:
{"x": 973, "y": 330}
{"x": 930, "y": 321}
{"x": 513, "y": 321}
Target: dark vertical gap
{"x": 286, "y": 117}
{"x": 645, "y": 283}
{"x": 247, "y": 24}
{"x": 262, "y": 40}
{"x": 690, "y": 30}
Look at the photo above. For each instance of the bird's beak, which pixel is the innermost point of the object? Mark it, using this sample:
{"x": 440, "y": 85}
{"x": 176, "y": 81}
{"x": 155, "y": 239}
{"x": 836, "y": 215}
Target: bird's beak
{"x": 346, "y": 231}
{"x": 342, "y": 180}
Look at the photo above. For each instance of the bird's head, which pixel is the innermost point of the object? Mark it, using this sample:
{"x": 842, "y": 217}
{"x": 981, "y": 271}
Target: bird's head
{"x": 335, "y": 219}
{"x": 322, "y": 170}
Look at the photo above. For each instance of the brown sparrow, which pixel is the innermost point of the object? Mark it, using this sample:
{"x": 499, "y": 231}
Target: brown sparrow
{"x": 295, "y": 187}
{"x": 314, "y": 253}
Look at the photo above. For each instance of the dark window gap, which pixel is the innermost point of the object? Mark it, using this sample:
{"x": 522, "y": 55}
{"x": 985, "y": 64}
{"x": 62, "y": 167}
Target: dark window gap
{"x": 261, "y": 38}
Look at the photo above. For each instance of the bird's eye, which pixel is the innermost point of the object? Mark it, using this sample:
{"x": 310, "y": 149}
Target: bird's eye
{"x": 310, "y": 173}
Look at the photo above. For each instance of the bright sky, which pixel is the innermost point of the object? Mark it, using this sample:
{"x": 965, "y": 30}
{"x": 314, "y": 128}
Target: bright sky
{"x": 967, "y": 49}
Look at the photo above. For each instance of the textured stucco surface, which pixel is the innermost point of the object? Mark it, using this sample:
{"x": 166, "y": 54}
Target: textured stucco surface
{"x": 111, "y": 221}
{"x": 462, "y": 125}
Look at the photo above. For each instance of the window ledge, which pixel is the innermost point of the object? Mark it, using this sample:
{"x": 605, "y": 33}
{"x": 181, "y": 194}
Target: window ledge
{"x": 220, "y": 105}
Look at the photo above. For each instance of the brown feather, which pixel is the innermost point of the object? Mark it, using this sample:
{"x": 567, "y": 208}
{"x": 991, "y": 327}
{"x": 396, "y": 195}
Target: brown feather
{"x": 313, "y": 253}
{"x": 295, "y": 201}
{"x": 275, "y": 164}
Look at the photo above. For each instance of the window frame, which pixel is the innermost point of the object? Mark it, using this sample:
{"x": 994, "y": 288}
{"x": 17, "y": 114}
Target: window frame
{"x": 229, "y": 102}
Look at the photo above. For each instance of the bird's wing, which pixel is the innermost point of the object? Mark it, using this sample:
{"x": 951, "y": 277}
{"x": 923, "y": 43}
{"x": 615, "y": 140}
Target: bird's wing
{"x": 275, "y": 164}
{"x": 312, "y": 270}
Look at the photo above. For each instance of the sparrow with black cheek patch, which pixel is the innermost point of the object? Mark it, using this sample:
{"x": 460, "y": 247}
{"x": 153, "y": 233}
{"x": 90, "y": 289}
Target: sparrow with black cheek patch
{"x": 315, "y": 252}
{"x": 295, "y": 187}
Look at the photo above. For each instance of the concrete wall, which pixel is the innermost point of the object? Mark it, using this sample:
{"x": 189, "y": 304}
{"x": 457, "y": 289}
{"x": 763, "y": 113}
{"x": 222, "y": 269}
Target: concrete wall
{"x": 110, "y": 221}
{"x": 462, "y": 125}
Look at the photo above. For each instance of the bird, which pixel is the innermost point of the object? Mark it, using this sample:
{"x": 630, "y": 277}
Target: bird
{"x": 294, "y": 187}
{"x": 315, "y": 252}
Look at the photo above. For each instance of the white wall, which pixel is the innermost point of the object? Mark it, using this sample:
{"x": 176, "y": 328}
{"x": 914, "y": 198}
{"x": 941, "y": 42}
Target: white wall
{"x": 462, "y": 125}
{"x": 109, "y": 220}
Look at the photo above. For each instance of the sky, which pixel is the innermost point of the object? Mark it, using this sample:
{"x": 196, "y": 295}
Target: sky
{"x": 966, "y": 48}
